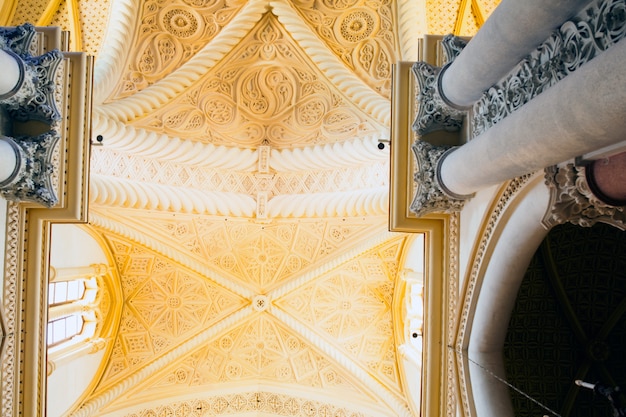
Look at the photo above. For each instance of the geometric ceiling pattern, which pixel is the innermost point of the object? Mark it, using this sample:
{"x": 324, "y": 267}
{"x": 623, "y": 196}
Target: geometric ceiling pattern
{"x": 577, "y": 281}
{"x": 243, "y": 199}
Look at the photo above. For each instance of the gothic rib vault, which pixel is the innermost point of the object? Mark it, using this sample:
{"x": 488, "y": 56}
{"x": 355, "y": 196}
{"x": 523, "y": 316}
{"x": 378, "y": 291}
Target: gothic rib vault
{"x": 243, "y": 200}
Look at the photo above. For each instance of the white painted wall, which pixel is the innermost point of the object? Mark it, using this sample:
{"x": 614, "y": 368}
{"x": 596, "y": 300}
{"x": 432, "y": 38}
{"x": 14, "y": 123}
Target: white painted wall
{"x": 71, "y": 246}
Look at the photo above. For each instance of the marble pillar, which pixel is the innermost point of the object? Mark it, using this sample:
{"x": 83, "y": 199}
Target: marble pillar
{"x": 514, "y": 29}
{"x": 583, "y": 112}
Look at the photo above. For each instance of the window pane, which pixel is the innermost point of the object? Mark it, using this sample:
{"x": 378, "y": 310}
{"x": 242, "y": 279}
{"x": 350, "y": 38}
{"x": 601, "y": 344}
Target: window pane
{"x": 51, "y": 288}
{"x": 60, "y": 292}
{"x": 72, "y": 290}
{"x": 64, "y": 329}
{"x": 50, "y": 334}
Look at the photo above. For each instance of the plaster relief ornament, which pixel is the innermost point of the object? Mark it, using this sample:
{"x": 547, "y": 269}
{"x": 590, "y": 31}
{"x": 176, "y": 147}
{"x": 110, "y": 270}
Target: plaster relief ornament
{"x": 571, "y": 200}
{"x": 435, "y": 111}
{"x": 33, "y": 95}
{"x": 431, "y": 195}
{"x": 32, "y": 178}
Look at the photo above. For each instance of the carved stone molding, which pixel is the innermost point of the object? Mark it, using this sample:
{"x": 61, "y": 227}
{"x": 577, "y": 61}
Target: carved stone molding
{"x": 33, "y": 181}
{"x": 572, "y": 201}
{"x": 577, "y": 41}
{"x": 431, "y": 194}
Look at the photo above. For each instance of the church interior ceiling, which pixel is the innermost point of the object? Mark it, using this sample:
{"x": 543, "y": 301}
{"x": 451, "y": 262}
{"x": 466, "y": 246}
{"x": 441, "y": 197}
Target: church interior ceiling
{"x": 243, "y": 199}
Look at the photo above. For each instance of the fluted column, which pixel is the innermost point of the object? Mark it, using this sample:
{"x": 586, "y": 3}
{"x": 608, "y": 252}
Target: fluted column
{"x": 513, "y": 30}
{"x": 583, "y": 112}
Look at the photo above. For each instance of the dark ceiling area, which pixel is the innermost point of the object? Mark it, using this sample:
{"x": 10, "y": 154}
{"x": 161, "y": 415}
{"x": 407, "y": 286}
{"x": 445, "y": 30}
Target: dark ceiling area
{"x": 569, "y": 322}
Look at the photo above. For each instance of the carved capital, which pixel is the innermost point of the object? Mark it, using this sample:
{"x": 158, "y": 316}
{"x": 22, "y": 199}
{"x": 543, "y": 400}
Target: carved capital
{"x": 572, "y": 201}
{"x": 452, "y": 47}
{"x": 434, "y": 111}
{"x": 19, "y": 39}
{"x": 33, "y": 99}
{"x": 431, "y": 195}
{"x": 33, "y": 181}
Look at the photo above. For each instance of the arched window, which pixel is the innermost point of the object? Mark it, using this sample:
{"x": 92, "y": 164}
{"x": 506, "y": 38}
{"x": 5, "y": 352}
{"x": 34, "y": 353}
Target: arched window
{"x": 64, "y": 329}
{"x": 72, "y": 313}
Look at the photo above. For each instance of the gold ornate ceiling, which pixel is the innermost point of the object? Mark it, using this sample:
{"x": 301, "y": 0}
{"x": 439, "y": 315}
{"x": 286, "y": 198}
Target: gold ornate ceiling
{"x": 243, "y": 199}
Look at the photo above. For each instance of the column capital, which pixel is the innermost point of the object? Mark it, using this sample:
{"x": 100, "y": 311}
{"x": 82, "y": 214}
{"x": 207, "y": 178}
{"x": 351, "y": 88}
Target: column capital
{"x": 33, "y": 182}
{"x": 19, "y": 38}
{"x": 571, "y": 200}
{"x": 431, "y": 194}
{"x": 435, "y": 111}
{"x": 34, "y": 97}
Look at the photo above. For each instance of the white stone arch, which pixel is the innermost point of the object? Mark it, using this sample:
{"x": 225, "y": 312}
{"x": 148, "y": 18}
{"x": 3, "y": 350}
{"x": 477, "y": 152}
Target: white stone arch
{"x": 497, "y": 276}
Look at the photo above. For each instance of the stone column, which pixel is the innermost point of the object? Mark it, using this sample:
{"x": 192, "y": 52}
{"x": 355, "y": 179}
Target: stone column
{"x": 12, "y": 74}
{"x": 583, "y": 112}
{"x": 513, "y": 30}
{"x": 10, "y": 160}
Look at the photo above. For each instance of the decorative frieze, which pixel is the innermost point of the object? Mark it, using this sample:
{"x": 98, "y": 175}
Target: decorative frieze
{"x": 577, "y": 41}
{"x": 571, "y": 200}
{"x": 431, "y": 194}
{"x": 435, "y": 112}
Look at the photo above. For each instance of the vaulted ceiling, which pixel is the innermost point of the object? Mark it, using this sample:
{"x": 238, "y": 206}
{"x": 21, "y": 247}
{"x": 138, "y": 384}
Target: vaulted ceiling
{"x": 243, "y": 200}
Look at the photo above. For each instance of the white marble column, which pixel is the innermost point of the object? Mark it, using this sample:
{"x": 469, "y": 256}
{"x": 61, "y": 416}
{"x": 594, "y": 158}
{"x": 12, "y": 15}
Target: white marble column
{"x": 12, "y": 74}
{"x": 513, "y": 30}
{"x": 583, "y": 112}
{"x": 9, "y": 159}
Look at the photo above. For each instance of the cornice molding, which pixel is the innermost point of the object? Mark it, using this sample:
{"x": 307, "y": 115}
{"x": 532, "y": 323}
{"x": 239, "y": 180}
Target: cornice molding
{"x": 368, "y": 100}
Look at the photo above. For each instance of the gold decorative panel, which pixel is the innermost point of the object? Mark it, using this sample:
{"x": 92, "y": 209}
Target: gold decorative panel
{"x": 266, "y": 89}
{"x": 168, "y": 35}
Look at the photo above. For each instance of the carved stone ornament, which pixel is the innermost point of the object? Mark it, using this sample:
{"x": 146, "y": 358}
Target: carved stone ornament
{"x": 434, "y": 112}
{"x": 32, "y": 182}
{"x": 33, "y": 97}
{"x": 431, "y": 195}
{"x": 19, "y": 39}
{"x": 452, "y": 47}
{"x": 571, "y": 200}
{"x": 577, "y": 41}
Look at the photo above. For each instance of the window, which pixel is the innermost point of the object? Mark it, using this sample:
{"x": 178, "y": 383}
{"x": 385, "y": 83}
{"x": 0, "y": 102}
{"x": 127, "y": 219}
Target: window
{"x": 63, "y": 329}
{"x": 65, "y": 291}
